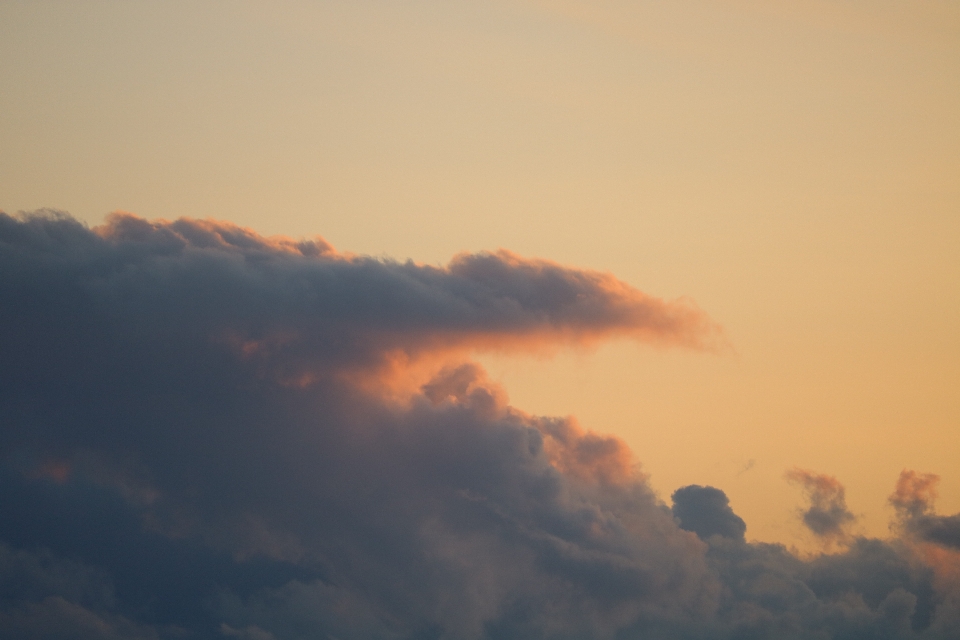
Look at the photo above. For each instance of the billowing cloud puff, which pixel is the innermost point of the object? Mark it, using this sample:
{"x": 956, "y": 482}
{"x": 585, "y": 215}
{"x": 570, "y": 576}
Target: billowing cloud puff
{"x": 211, "y": 434}
{"x": 706, "y": 511}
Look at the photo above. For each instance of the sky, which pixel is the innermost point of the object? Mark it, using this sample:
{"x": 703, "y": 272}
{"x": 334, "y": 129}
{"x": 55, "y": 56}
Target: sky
{"x": 699, "y": 253}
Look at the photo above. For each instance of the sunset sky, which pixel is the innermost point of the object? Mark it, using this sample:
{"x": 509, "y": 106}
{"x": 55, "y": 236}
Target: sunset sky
{"x": 756, "y": 205}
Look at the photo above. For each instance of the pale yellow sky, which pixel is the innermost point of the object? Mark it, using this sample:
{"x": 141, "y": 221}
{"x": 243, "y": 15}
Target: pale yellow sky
{"x": 794, "y": 167}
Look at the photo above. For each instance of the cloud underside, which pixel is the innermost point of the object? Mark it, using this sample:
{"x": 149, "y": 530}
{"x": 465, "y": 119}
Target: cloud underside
{"x": 203, "y": 438}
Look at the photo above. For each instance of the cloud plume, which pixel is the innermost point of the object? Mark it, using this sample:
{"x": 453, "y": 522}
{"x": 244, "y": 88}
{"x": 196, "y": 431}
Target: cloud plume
{"x": 827, "y": 515}
{"x": 202, "y": 438}
{"x": 914, "y": 499}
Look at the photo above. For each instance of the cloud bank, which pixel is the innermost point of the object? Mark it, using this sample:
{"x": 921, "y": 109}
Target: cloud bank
{"x": 212, "y": 434}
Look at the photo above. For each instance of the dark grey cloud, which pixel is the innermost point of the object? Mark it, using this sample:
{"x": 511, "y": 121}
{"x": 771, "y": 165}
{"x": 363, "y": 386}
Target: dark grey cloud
{"x": 45, "y": 597}
{"x": 706, "y": 511}
{"x": 942, "y": 530}
{"x": 873, "y": 589}
{"x": 210, "y": 434}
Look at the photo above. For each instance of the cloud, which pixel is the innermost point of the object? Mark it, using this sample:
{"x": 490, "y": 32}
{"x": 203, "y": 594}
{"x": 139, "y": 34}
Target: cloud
{"x": 913, "y": 500}
{"x": 706, "y": 511}
{"x": 301, "y": 312}
{"x": 827, "y": 515}
{"x": 54, "y": 618}
{"x": 42, "y": 596}
{"x": 208, "y": 433}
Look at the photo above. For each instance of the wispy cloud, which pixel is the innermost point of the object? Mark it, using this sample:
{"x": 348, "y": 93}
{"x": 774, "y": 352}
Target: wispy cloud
{"x": 826, "y": 515}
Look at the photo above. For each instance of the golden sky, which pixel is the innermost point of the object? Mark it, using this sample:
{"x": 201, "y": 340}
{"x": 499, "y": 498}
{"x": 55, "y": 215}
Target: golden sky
{"x": 792, "y": 167}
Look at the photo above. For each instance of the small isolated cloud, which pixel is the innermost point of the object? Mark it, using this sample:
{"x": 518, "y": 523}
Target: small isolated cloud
{"x": 826, "y": 515}
{"x": 706, "y": 511}
{"x": 212, "y": 434}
